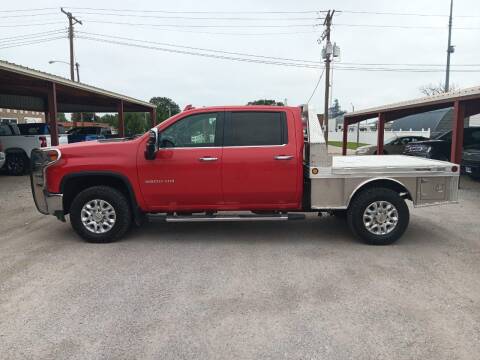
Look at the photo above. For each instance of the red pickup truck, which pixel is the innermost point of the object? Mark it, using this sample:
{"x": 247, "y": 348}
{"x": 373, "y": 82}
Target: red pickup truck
{"x": 268, "y": 161}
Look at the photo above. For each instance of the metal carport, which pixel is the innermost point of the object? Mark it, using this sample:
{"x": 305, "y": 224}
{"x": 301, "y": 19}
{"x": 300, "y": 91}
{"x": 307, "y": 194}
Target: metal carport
{"x": 23, "y": 88}
{"x": 465, "y": 103}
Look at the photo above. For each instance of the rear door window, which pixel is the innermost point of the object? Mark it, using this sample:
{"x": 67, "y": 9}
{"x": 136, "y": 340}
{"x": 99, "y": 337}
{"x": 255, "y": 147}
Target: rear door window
{"x": 256, "y": 128}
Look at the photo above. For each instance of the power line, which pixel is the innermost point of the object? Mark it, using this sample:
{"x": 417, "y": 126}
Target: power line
{"x": 225, "y": 57}
{"x": 403, "y": 14}
{"x": 199, "y": 12}
{"x": 203, "y": 26}
{"x": 27, "y": 10}
{"x": 406, "y": 26}
{"x": 201, "y": 17}
{"x": 26, "y": 15}
{"x": 32, "y": 24}
{"x": 202, "y": 49}
{"x": 30, "y": 42}
{"x": 265, "y": 61}
{"x": 55, "y": 31}
{"x": 316, "y": 86}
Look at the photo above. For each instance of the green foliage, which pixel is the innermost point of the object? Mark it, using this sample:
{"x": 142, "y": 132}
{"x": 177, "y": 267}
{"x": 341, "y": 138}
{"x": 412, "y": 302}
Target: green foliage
{"x": 266, "y": 102}
{"x": 350, "y": 145}
{"x": 85, "y": 116}
{"x": 335, "y": 110}
{"x": 135, "y": 123}
{"x": 166, "y": 107}
{"x": 61, "y": 117}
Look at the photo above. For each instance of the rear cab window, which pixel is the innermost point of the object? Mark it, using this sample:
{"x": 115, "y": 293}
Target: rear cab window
{"x": 255, "y": 128}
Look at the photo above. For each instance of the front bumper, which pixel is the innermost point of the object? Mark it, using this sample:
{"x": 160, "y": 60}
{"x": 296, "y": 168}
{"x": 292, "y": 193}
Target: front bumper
{"x": 47, "y": 203}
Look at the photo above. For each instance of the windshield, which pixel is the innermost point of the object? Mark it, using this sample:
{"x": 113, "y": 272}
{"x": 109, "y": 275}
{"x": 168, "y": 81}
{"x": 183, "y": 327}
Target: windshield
{"x": 443, "y": 136}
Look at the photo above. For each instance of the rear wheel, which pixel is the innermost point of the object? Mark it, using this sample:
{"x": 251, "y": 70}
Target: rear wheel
{"x": 100, "y": 214}
{"x": 16, "y": 163}
{"x": 378, "y": 216}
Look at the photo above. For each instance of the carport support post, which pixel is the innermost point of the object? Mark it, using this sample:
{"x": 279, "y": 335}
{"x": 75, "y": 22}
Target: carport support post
{"x": 153, "y": 117}
{"x": 345, "y": 137}
{"x": 380, "y": 133}
{"x": 52, "y": 113}
{"x": 457, "y": 132}
{"x": 121, "y": 120}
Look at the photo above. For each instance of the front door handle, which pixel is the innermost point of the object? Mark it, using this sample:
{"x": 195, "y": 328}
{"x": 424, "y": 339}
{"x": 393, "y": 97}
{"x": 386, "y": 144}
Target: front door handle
{"x": 283, "y": 157}
{"x": 208, "y": 158}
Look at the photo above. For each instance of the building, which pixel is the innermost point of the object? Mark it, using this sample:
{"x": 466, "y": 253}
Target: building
{"x": 21, "y": 116}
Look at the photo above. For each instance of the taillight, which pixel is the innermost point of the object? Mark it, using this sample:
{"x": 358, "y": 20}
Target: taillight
{"x": 43, "y": 141}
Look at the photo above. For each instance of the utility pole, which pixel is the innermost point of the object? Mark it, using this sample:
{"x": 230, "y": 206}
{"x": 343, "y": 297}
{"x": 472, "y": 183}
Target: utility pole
{"x": 72, "y": 20}
{"x": 77, "y": 65}
{"x": 328, "y": 52}
{"x": 450, "y": 48}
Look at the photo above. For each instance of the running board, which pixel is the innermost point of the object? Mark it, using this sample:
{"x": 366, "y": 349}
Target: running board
{"x": 220, "y": 218}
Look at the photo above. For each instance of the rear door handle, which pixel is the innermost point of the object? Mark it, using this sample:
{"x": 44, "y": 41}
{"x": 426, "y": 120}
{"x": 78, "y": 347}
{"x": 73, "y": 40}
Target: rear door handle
{"x": 284, "y": 157}
{"x": 208, "y": 158}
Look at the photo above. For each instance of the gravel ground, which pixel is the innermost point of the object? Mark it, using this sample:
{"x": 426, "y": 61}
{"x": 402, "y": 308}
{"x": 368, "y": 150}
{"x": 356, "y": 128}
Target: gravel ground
{"x": 294, "y": 290}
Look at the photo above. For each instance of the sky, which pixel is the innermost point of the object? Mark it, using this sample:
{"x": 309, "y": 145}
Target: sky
{"x": 249, "y": 27}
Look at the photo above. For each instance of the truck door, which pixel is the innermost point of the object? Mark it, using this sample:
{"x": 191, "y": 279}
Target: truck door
{"x": 186, "y": 173}
{"x": 260, "y": 161}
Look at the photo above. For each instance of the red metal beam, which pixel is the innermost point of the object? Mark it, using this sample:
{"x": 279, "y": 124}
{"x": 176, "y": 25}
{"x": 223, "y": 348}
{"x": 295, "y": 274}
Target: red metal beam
{"x": 153, "y": 117}
{"x": 121, "y": 120}
{"x": 380, "y": 133}
{"x": 52, "y": 113}
{"x": 457, "y": 132}
{"x": 345, "y": 137}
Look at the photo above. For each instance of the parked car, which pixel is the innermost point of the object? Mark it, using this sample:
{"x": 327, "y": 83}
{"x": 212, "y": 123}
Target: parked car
{"x": 202, "y": 162}
{"x": 391, "y": 146}
{"x": 88, "y": 133}
{"x": 439, "y": 148}
{"x": 18, "y": 144}
{"x": 471, "y": 161}
{"x": 2, "y": 156}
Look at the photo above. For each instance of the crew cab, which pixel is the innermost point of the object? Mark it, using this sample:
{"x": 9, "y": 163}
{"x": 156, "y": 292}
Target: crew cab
{"x": 19, "y": 140}
{"x": 263, "y": 163}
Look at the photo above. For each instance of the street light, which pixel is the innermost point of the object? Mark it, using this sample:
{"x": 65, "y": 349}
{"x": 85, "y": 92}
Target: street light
{"x": 77, "y": 65}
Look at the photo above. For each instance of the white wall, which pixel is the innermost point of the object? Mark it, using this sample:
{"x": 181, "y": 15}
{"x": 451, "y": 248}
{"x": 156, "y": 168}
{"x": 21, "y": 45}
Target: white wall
{"x": 370, "y": 137}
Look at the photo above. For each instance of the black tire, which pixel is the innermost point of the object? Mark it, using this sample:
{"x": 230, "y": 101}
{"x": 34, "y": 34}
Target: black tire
{"x": 363, "y": 200}
{"x": 16, "y": 163}
{"x": 120, "y": 205}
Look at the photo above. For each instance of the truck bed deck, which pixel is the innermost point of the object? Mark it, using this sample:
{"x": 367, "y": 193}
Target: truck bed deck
{"x": 386, "y": 164}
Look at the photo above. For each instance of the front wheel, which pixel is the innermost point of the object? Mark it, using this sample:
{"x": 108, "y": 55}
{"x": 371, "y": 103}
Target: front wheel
{"x": 378, "y": 216}
{"x": 100, "y": 214}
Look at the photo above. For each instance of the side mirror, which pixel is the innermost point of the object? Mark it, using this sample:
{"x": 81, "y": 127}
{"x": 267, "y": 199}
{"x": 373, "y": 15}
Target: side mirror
{"x": 152, "y": 144}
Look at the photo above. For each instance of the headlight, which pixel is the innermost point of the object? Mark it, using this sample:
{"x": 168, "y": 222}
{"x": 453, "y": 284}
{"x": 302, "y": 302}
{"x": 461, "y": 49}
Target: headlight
{"x": 361, "y": 151}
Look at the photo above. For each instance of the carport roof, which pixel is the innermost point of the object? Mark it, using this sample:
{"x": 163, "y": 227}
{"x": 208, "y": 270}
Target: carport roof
{"x": 27, "y": 89}
{"x": 416, "y": 106}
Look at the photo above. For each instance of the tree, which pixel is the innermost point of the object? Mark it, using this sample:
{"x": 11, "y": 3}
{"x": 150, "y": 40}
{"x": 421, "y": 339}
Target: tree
{"x": 166, "y": 107}
{"x": 335, "y": 110}
{"x": 61, "y": 117}
{"x": 435, "y": 89}
{"x": 135, "y": 123}
{"x": 266, "y": 102}
{"x": 85, "y": 116}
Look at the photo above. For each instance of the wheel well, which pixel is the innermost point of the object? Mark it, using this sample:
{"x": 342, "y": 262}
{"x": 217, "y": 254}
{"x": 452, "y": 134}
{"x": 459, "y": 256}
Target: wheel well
{"x": 383, "y": 183}
{"x": 74, "y": 184}
{"x": 16, "y": 151}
